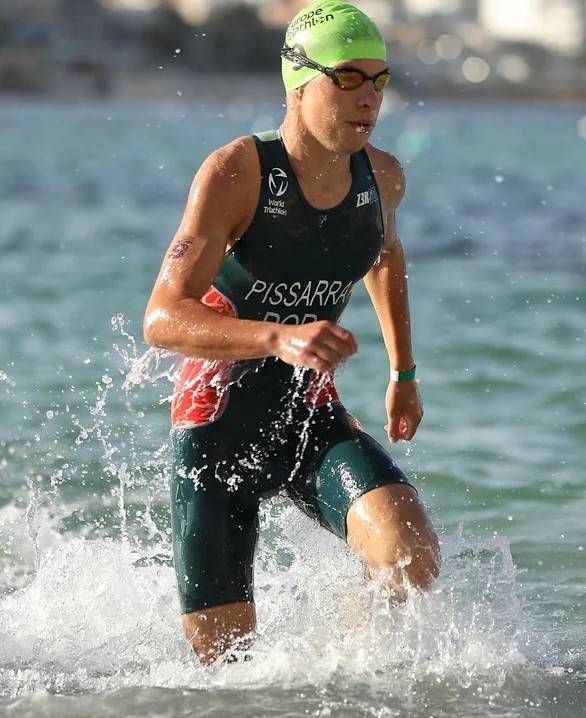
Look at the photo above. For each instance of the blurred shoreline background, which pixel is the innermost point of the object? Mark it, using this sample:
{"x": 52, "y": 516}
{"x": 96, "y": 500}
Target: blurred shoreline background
{"x": 142, "y": 49}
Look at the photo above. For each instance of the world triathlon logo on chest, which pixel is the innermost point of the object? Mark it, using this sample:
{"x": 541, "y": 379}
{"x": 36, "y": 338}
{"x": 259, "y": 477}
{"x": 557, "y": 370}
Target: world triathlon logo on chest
{"x": 278, "y": 182}
{"x": 278, "y": 185}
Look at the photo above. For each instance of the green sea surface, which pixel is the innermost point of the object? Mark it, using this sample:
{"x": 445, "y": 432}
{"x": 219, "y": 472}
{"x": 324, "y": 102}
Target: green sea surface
{"x": 494, "y": 228}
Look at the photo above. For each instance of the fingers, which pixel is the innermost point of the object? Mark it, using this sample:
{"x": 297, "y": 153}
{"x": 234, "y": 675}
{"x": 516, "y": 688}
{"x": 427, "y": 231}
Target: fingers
{"x": 402, "y": 428}
{"x": 344, "y": 336}
{"x": 319, "y": 345}
{"x": 394, "y": 428}
{"x": 404, "y": 411}
{"x": 330, "y": 346}
{"x": 333, "y": 348}
{"x": 406, "y": 428}
{"x": 323, "y": 360}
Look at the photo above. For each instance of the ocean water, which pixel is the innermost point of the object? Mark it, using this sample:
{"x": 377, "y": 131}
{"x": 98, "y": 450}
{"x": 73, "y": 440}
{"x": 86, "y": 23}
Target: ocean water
{"x": 494, "y": 227}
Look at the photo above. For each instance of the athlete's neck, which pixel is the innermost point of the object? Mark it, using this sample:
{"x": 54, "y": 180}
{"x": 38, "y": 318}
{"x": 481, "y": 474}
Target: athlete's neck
{"x": 310, "y": 160}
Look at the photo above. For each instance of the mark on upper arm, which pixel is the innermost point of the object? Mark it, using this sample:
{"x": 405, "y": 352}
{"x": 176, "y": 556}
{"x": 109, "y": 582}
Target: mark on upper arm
{"x": 180, "y": 247}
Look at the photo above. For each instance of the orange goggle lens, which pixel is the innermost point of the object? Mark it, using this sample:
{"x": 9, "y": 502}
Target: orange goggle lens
{"x": 352, "y": 79}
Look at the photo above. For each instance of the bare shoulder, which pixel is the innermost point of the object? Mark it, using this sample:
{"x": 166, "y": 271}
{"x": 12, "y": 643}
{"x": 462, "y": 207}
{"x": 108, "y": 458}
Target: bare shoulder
{"x": 227, "y": 186}
{"x": 234, "y": 164}
{"x": 389, "y": 174}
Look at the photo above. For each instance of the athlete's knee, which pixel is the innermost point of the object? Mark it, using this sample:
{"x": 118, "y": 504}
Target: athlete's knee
{"x": 412, "y": 559}
{"x": 420, "y": 565}
{"x": 401, "y": 545}
{"x": 389, "y": 529}
{"x": 220, "y": 632}
{"x": 422, "y": 555}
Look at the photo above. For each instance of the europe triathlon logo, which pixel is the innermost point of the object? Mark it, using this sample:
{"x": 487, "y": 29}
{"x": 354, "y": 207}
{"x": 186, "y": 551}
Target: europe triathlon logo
{"x": 306, "y": 21}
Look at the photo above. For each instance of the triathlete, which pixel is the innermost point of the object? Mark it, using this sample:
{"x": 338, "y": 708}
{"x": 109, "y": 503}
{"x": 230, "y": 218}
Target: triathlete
{"x": 277, "y": 230}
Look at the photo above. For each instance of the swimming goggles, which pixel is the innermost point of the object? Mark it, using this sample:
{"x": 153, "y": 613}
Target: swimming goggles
{"x": 346, "y": 78}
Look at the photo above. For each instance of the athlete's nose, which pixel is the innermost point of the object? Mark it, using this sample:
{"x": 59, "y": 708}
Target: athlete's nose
{"x": 369, "y": 97}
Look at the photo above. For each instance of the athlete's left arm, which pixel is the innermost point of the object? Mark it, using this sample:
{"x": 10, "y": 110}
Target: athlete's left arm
{"x": 387, "y": 286}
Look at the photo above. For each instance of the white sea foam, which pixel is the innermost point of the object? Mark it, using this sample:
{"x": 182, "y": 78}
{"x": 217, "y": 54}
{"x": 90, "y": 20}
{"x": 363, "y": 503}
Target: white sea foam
{"x": 103, "y": 614}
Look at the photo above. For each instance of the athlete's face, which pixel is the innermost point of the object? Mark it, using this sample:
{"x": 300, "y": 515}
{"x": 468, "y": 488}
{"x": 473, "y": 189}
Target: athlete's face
{"x": 343, "y": 120}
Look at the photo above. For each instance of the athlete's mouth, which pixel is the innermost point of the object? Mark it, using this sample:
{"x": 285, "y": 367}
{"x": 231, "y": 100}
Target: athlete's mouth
{"x": 363, "y": 127}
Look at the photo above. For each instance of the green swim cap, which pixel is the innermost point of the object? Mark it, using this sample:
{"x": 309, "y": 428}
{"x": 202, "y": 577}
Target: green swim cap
{"x": 328, "y": 32}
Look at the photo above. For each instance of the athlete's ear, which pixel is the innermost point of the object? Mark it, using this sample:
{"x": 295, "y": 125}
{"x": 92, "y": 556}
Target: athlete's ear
{"x": 294, "y": 97}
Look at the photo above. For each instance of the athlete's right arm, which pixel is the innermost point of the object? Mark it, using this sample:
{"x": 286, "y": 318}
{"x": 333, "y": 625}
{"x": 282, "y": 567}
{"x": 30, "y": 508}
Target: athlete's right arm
{"x": 220, "y": 207}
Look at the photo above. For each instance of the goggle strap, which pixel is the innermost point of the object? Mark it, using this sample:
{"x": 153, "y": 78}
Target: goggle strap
{"x": 296, "y": 57}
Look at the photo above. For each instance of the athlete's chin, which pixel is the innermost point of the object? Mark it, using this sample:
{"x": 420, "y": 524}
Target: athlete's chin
{"x": 358, "y": 134}
{"x": 354, "y": 142}
{"x": 348, "y": 140}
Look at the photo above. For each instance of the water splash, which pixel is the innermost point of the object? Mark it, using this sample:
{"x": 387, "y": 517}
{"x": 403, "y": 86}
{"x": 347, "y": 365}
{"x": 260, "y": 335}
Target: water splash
{"x": 98, "y": 611}
{"x": 102, "y": 614}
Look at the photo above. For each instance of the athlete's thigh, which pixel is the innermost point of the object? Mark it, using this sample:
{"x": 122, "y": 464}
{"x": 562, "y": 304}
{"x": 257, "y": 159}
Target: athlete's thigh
{"x": 349, "y": 464}
{"x": 215, "y": 530}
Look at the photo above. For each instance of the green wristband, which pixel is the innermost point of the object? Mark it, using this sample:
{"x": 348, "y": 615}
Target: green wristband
{"x": 408, "y": 375}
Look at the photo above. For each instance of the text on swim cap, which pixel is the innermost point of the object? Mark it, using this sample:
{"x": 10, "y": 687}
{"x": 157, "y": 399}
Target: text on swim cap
{"x": 306, "y": 21}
